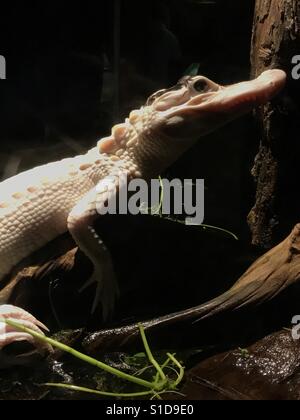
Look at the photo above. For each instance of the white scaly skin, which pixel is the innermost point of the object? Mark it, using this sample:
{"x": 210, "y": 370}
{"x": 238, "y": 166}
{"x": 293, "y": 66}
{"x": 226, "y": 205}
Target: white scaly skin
{"x": 38, "y": 205}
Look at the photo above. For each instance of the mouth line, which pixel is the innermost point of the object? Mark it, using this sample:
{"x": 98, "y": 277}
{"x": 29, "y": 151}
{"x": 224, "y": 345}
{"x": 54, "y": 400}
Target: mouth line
{"x": 237, "y": 98}
{"x": 250, "y": 100}
{"x": 227, "y": 104}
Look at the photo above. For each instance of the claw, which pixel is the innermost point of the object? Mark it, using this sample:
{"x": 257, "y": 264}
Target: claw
{"x": 12, "y": 312}
{"x": 106, "y": 295}
{"x": 9, "y": 335}
{"x": 107, "y": 290}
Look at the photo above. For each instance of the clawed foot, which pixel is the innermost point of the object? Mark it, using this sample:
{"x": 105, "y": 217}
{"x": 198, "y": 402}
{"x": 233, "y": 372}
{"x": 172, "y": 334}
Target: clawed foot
{"x": 9, "y": 335}
{"x": 107, "y": 290}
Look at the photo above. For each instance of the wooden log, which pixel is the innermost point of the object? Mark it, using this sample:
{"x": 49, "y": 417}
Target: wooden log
{"x": 276, "y": 40}
{"x": 270, "y": 275}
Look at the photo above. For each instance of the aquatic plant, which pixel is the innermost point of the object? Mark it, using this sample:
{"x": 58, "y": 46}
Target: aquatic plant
{"x": 157, "y": 211}
{"x": 161, "y": 384}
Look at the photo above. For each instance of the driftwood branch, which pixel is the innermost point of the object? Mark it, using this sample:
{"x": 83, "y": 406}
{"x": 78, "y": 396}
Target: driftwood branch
{"x": 265, "y": 279}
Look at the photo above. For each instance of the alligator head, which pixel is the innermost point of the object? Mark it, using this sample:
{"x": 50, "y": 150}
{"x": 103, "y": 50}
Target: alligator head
{"x": 174, "y": 119}
{"x": 197, "y": 106}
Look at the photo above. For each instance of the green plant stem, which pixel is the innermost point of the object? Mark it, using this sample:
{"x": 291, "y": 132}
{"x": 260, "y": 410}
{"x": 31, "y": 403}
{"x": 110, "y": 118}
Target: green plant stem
{"x": 87, "y": 359}
{"x": 220, "y": 230}
{"x": 180, "y": 367}
{"x": 162, "y": 368}
{"x": 204, "y": 227}
{"x": 101, "y": 393}
{"x": 150, "y": 355}
{"x": 160, "y": 385}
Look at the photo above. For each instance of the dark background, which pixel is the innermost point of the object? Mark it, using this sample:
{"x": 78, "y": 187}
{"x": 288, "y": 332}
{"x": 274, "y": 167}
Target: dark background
{"x": 55, "y": 65}
{"x": 59, "y": 85}
{"x": 60, "y": 97}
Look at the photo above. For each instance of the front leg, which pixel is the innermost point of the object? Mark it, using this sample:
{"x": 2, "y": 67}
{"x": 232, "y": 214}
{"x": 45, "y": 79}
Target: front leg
{"x": 80, "y": 225}
{"x": 10, "y": 335}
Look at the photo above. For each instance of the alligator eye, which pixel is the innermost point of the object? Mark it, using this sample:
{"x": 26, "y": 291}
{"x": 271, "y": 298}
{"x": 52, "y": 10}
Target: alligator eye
{"x": 201, "y": 86}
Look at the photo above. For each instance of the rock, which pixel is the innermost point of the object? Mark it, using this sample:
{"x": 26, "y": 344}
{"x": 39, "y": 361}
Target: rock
{"x": 268, "y": 370}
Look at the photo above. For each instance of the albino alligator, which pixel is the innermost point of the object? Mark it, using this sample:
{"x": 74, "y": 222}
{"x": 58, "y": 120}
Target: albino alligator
{"x": 38, "y": 205}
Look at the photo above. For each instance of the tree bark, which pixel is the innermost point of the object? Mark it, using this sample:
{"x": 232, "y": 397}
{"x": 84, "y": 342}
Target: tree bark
{"x": 276, "y": 40}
